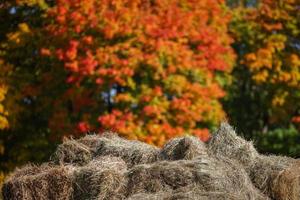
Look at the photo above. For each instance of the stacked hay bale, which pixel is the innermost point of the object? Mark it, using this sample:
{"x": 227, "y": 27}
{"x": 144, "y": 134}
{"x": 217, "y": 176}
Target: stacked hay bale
{"x": 132, "y": 152}
{"x": 183, "y": 148}
{"x": 109, "y": 167}
{"x": 278, "y": 177}
{"x": 72, "y": 152}
{"x": 200, "y": 176}
{"x": 44, "y": 182}
{"x": 225, "y": 143}
{"x": 102, "y": 178}
{"x": 211, "y": 175}
{"x": 179, "y": 195}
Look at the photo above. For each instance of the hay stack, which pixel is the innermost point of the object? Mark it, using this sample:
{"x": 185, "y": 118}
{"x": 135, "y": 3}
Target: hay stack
{"x": 72, "y": 152}
{"x": 201, "y": 175}
{"x": 149, "y": 196}
{"x": 101, "y": 179}
{"x": 277, "y": 177}
{"x": 183, "y": 148}
{"x": 238, "y": 180}
{"x": 160, "y": 176}
{"x": 132, "y": 152}
{"x": 109, "y": 167}
{"x": 196, "y": 194}
{"x": 28, "y": 170}
{"x": 225, "y": 143}
{"x": 94, "y": 141}
{"x": 191, "y": 195}
{"x": 45, "y": 182}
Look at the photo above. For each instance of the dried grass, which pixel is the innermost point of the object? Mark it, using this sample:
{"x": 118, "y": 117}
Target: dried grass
{"x": 278, "y": 177}
{"x": 198, "y": 194}
{"x": 226, "y": 143}
{"x": 183, "y": 148}
{"x": 238, "y": 180}
{"x": 109, "y": 167}
{"x": 131, "y": 151}
{"x": 201, "y": 175}
{"x": 46, "y": 183}
{"x": 72, "y": 152}
{"x": 160, "y": 176}
{"x": 101, "y": 179}
{"x": 187, "y": 193}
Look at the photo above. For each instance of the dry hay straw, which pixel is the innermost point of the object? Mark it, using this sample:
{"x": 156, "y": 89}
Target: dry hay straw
{"x": 109, "y": 167}
{"x": 131, "y": 151}
{"x": 188, "y": 194}
{"x": 188, "y": 148}
{"x": 198, "y": 177}
{"x": 103, "y": 178}
{"x": 72, "y": 152}
{"x": 225, "y": 143}
{"x": 275, "y": 176}
{"x": 44, "y": 183}
{"x": 183, "y": 148}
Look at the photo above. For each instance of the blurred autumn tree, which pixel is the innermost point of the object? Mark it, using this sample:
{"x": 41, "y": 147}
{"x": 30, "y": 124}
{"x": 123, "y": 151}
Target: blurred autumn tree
{"x": 264, "y": 98}
{"x": 150, "y": 70}
{"x": 25, "y": 136}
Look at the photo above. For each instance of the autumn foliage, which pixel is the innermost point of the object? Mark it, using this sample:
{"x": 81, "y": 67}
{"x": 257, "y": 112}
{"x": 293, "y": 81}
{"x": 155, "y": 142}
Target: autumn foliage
{"x": 147, "y": 69}
{"x": 277, "y": 60}
{"x": 270, "y": 38}
{"x": 151, "y": 70}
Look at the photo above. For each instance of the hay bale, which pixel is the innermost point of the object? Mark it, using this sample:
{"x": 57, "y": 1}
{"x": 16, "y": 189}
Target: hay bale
{"x": 189, "y": 193}
{"x": 27, "y": 170}
{"x": 159, "y": 176}
{"x": 110, "y": 167}
{"x": 183, "y": 148}
{"x": 103, "y": 178}
{"x": 132, "y": 152}
{"x": 149, "y": 196}
{"x": 46, "y": 183}
{"x": 196, "y": 194}
{"x": 225, "y": 143}
{"x": 201, "y": 175}
{"x": 72, "y": 152}
{"x": 237, "y": 178}
{"x": 94, "y": 141}
{"x": 277, "y": 176}
{"x": 183, "y": 196}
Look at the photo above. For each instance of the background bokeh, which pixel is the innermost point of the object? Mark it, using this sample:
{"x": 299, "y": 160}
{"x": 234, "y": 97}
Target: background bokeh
{"x": 149, "y": 70}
